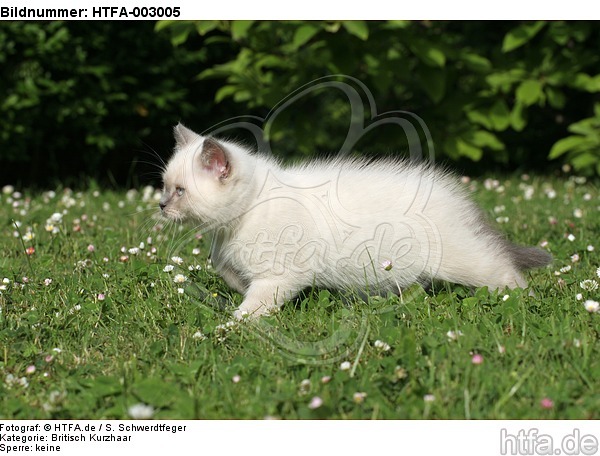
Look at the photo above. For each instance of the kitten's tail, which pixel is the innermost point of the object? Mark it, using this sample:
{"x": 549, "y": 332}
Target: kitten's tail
{"x": 527, "y": 257}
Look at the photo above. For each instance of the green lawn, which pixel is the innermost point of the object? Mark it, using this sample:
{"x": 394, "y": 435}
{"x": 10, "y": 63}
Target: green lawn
{"x": 91, "y": 324}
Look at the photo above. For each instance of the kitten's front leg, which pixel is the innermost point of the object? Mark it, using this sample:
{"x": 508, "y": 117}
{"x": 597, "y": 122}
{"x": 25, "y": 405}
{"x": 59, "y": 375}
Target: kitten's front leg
{"x": 262, "y": 298}
{"x": 233, "y": 280}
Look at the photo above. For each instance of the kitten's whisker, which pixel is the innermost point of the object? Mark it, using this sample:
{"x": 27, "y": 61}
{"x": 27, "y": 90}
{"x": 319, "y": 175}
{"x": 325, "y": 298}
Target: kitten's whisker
{"x": 162, "y": 164}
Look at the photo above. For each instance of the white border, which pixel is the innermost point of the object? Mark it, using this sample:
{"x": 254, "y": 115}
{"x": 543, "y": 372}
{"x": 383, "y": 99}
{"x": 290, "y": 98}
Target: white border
{"x": 348, "y": 438}
{"x": 338, "y": 10}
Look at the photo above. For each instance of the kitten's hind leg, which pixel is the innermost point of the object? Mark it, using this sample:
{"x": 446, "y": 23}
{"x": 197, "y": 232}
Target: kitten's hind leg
{"x": 263, "y": 297}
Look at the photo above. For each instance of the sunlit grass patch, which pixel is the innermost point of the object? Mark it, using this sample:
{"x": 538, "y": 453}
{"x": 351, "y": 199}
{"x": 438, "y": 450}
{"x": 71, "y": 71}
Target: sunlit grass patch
{"x": 109, "y": 312}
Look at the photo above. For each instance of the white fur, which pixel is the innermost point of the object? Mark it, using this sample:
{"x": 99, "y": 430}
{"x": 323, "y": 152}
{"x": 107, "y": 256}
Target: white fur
{"x": 332, "y": 224}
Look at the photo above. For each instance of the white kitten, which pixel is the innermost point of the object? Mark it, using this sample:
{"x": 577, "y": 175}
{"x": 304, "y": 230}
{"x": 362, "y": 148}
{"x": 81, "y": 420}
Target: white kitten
{"x": 341, "y": 224}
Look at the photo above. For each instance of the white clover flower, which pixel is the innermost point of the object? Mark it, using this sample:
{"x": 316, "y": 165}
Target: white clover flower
{"x": 56, "y": 397}
{"x": 381, "y": 345}
{"x": 47, "y": 282}
{"x": 68, "y": 201}
{"x": 490, "y": 184}
{"x": 591, "y": 306}
{"x": 8, "y": 189}
{"x": 82, "y": 264}
{"x": 454, "y": 335}
{"x": 179, "y": 278}
{"x": 571, "y": 237}
{"x": 400, "y": 372}
{"x": 304, "y": 386}
{"x": 196, "y": 251}
{"x": 75, "y": 308}
{"x": 168, "y": 268}
{"x": 345, "y": 366}
{"x": 147, "y": 192}
{"x": 177, "y": 260}
{"x": 429, "y": 398}
{"x": 589, "y": 285}
{"x": 575, "y": 258}
{"x": 134, "y": 250}
{"x": 528, "y": 193}
{"x": 565, "y": 269}
{"x": 598, "y": 272}
{"x": 590, "y": 248}
{"x": 221, "y": 330}
{"x": 359, "y": 397}
{"x": 577, "y": 343}
{"x": 577, "y": 213}
{"x": 198, "y": 336}
{"x": 56, "y": 218}
{"x": 141, "y": 411}
{"x": 131, "y": 194}
{"x": 180, "y": 291}
{"x": 579, "y": 296}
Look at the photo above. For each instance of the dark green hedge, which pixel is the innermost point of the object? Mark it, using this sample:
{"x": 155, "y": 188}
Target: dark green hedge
{"x": 94, "y": 98}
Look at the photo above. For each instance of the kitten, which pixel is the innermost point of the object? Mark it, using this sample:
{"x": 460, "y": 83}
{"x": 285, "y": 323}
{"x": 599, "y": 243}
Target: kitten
{"x": 338, "y": 224}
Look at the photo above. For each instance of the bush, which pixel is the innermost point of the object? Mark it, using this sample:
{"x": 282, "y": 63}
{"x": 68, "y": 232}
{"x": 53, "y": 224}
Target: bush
{"x": 94, "y": 99}
{"x": 506, "y": 92}
{"x": 90, "y": 99}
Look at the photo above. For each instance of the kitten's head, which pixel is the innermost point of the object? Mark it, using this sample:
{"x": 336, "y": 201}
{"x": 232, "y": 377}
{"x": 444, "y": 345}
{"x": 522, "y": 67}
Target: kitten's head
{"x": 201, "y": 180}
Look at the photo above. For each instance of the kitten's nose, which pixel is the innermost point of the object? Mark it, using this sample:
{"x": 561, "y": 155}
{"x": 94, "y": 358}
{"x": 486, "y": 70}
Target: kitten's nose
{"x": 162, "y": 205}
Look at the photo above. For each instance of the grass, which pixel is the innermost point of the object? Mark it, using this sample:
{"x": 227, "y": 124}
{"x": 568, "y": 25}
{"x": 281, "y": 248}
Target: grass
{"x": 90, "y": 328}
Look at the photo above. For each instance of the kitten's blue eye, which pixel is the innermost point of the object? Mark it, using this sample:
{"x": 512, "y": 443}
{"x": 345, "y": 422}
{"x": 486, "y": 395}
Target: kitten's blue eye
{"x": 179, "y": 191}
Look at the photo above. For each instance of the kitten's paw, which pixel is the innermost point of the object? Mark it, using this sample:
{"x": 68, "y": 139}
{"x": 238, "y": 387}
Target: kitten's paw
{"x": 249, "y": 313}
{"x": 241, "y": 314}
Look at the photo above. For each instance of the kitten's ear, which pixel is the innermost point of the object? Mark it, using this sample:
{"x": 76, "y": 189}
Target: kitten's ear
{"x": 215, "y": 159}
{"x": 183, "y": 135}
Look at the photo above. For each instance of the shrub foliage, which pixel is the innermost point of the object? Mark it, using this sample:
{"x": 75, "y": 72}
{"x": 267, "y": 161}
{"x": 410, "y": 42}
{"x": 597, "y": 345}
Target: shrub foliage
{"x": 81, "y": 98}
